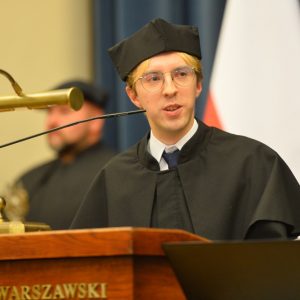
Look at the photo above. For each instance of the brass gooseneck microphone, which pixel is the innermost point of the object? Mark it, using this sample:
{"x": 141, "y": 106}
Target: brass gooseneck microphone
{"x": 72, "y": 97}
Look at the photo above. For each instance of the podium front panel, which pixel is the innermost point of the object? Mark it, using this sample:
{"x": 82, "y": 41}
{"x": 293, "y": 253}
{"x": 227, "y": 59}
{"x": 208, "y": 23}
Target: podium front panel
{"x": 92, "y": 264}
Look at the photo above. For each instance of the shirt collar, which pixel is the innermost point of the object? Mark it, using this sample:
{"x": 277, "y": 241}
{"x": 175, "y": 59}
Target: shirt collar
{"x": 156, "y": 147}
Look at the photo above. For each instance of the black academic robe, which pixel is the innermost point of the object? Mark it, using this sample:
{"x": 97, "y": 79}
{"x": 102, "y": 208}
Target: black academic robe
{"x": 56, "y": 190}
{"x": 233, "y": 187}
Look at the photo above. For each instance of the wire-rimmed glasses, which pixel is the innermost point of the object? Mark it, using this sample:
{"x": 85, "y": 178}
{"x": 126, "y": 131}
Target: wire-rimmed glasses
{"x": 154, "y": 81}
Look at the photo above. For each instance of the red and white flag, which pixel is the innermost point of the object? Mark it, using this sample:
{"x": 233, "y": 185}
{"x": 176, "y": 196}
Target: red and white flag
{"x": 255, "y": 85}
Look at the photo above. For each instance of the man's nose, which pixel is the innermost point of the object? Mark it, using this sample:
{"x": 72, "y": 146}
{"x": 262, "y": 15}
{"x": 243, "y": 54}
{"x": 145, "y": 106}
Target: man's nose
{"x": 169, "y": 84}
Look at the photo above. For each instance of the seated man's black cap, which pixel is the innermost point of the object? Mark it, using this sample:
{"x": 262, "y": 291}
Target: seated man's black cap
{"x": 155, "y": 37}
{"x": 91, "y": 93}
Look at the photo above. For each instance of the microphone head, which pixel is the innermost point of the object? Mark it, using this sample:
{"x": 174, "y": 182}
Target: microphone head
{"x": 91, "y": 92}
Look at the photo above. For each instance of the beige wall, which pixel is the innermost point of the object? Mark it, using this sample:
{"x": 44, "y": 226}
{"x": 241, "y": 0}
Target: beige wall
{"x": 42, "y": 43}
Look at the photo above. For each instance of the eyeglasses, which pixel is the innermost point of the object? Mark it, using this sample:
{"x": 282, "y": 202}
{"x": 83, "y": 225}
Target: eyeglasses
{"x": 154, "y": 81}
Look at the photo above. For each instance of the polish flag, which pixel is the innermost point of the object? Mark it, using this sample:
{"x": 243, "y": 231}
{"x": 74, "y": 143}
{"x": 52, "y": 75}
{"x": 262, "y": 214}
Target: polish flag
{"x": 255, "y": 85}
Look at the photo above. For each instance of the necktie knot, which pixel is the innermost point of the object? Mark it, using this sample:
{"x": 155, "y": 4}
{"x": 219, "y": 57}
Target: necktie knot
{"x": 171, "y": 158}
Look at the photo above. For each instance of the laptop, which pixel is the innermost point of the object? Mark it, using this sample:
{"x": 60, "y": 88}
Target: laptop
{"x": 256, "y": 270}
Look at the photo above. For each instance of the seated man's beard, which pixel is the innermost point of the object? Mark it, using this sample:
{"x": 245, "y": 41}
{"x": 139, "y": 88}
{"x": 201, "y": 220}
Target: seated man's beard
{"x": 68, "y": 149}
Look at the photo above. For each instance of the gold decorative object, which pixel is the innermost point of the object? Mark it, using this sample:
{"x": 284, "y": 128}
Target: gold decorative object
{"x": 17, "y": 202}
{"x": 17, "y": 226}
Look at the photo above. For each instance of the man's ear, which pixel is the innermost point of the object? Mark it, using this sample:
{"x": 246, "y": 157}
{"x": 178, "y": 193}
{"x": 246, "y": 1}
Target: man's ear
{"x": 198, "y": 89}
{"x": 133, "y": 97}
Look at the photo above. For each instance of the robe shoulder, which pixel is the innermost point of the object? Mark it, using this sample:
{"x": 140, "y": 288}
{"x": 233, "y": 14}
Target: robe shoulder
{"x": 56, "y": 190}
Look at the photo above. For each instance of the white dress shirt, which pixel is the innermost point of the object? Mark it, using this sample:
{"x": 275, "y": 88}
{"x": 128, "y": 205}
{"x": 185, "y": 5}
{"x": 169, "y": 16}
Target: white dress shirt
{"x": 156, "y": 147}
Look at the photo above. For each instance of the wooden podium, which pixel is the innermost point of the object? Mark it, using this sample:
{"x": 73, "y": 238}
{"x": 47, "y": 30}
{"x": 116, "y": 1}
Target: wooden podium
{"x": 114, "y": 263}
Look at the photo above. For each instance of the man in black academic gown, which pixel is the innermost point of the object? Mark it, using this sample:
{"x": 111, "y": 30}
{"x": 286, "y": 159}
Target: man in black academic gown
{"x": 55, "y": 189}
{"x": 184, "y": 174}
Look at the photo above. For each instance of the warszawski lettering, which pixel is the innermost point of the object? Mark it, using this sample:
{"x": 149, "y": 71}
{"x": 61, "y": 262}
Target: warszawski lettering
{"x": 95, "y": 290}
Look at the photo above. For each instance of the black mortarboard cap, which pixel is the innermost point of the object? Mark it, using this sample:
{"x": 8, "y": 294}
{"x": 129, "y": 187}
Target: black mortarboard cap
{"x": 91, "y": 93}
{"x": 155, "y": 37}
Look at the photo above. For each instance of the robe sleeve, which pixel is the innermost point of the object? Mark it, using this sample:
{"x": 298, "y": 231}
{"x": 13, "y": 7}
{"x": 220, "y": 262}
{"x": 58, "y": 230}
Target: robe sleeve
{"x": 271, "y": 230}
{"x": 277, "y": 214}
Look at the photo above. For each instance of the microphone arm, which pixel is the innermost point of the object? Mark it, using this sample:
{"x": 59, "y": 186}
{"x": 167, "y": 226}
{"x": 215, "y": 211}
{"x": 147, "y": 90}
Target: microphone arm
{"x": 72, "y": 96}
{"x": 113, "y": 115}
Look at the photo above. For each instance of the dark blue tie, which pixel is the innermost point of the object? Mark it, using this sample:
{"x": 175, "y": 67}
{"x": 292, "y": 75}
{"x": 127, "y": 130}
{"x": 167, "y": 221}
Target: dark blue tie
{"x": 171, "y": 158}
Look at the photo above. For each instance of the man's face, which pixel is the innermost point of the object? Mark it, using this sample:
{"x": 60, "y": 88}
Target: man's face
{"x": 71, "y": 137}
{"x": 170, "y": 111}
